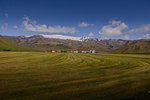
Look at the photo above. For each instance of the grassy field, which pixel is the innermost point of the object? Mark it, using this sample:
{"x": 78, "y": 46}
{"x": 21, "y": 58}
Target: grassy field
{"x": 69, "y": 76}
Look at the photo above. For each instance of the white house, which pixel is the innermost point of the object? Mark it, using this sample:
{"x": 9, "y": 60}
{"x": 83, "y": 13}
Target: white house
{"x": 53, "y": 50}
{"x": 75, "y": 51}
{"x": 83, "y": 51}
{"x": 92, "y": 51}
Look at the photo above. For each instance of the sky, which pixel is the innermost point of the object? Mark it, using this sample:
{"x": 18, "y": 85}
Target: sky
{"x": 103, "y": 19}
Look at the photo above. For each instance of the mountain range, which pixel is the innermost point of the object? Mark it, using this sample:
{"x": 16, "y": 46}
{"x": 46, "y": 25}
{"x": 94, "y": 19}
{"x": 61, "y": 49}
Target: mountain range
{"x": 48, "y": 42}
{"x": 84, "y": 43}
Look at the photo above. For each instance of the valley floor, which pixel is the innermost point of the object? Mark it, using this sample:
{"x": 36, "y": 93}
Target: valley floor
{"x": 70, "y": 76}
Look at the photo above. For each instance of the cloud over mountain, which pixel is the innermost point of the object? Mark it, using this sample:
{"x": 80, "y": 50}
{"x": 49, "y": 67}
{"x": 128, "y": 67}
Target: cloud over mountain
{"x": 143, "y": 28}
{"x": 114, "y": 28}
{"x": 84, "y": 24}
{"x": 146, "y": 36}
{"x": 126, "y": 37}
{"x": 32, "y": 26}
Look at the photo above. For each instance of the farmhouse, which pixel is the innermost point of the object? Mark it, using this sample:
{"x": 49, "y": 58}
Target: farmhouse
{"x": 73, "y": 51}
{"x": 69, "y": 51}
{"x": 92, "y": 51}
{"x": 84, "y": 51}
{"x": 53, "y": 50}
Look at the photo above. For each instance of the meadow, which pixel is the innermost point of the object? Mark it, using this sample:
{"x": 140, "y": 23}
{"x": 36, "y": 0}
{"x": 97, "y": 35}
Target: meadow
{"x": 74, "y": 76}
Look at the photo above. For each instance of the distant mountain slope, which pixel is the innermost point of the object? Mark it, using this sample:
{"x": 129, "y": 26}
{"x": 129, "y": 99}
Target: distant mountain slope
{"x": 86, "y": 43}
{"x": 136, "y": 46}
{"x": 6, "y": 45}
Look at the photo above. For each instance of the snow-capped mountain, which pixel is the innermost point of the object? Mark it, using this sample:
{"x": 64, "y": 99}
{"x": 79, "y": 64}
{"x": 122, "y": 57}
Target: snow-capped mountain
{"x": 70, "y": 37}
{"x": 62, "y": 37}
{"x": 85, "y": 39}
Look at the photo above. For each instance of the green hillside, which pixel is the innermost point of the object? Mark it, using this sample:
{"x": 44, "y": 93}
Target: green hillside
{"x": 136, "y": 46}
{"x": 6, "y": 45}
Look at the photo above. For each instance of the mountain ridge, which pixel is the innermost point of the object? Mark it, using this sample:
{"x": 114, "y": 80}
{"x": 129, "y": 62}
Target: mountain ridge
{"x": 87, "y": 43}
{"x": 103, "y": 46}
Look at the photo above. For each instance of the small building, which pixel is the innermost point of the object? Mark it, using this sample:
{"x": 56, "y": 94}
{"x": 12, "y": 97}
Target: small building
{"x": 75, "y": 51}
{"x": 53, "y": 50}
{"x": 92, "y": 51}
{"x": 69, "y": 51}
{"x": 83, "y": 51}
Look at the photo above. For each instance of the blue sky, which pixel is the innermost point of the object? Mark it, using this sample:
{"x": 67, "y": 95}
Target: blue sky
{"x": 104, "y": 19}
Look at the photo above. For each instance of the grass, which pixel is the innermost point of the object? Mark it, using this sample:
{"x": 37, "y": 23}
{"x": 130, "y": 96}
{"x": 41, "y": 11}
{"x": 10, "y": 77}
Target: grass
{"x": 70, "y": 76}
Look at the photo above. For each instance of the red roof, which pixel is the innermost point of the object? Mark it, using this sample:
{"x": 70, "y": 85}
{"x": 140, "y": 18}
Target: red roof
{"x": 53, "y": 50}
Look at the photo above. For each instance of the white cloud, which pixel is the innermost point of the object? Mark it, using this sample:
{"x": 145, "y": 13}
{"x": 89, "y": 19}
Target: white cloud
{"x": 114, "y": 22}
{"x": 146, "y": 36}
{"x": 115, "y": 28}
{"x": 143, "y": 28}
{"x": 32, "y": 26}
{"x": 91, "y": 34}
{"x": 4, "y": 27}
{"x": 6, "y": 15}
{"x": 84, "y": 24}
{"x": 15, "y": 26}
{"x": 126, "y": 37}
{"x": 62, "y": 37}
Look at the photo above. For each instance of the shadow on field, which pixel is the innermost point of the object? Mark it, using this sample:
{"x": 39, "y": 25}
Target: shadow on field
{"x": 140, "y": 96}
